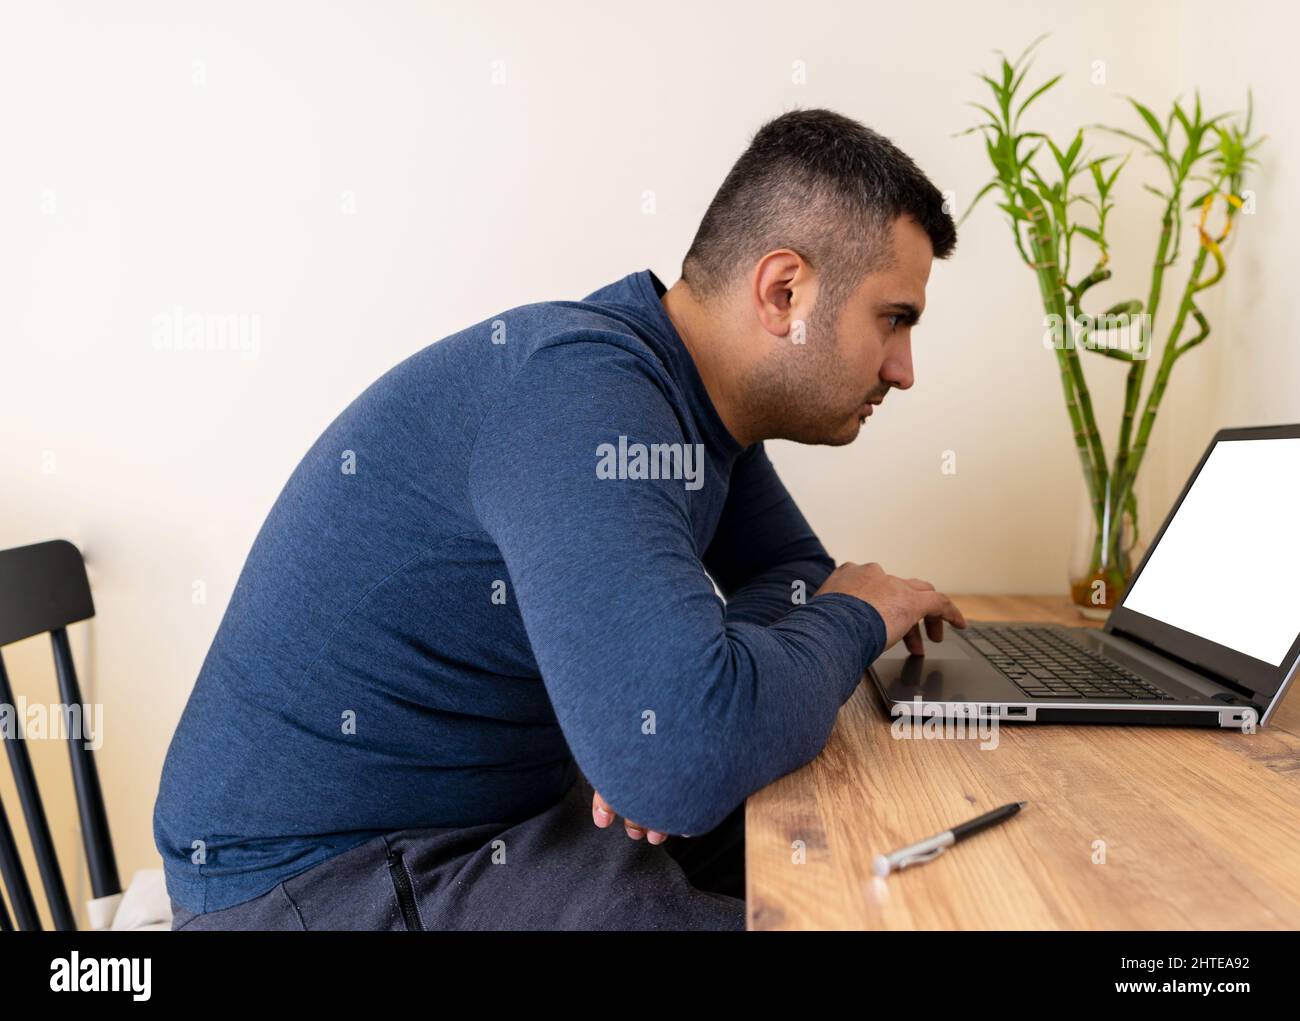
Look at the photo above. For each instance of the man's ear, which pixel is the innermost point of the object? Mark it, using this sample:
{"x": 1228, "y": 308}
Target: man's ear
{"x": 784, "y": 291}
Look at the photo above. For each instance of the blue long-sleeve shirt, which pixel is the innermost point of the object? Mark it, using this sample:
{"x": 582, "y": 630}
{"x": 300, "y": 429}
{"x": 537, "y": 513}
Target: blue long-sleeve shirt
{"x": 492, "y": 569}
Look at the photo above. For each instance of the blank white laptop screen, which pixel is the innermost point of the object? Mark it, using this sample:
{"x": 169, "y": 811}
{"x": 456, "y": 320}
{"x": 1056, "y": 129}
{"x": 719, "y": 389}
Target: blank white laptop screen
{"x": 1228, "y": 565}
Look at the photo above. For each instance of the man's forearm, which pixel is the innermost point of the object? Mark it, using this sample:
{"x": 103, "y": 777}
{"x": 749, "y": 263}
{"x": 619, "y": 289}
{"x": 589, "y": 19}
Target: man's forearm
{"x": 773, "y": 593}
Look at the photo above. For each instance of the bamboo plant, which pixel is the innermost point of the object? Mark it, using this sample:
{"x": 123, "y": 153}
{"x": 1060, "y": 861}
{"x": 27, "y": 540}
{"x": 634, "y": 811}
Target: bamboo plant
{"x": 1057, "y": 200}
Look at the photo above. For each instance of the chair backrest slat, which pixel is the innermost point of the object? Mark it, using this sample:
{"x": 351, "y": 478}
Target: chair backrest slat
{"x": 11, "y": 870}
{"x": 85, "y": 779}
{"x": 38, "y": 826}
{"x": 44, "y": 588}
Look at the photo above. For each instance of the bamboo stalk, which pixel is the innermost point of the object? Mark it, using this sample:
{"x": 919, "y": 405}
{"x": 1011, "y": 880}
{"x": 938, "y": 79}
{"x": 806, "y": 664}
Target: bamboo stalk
{"x": 1133, "y": 382}
{"x": 1078, "y": 404}
{"x": 1210, "y": 246}
{"x": 1044, "y": 206}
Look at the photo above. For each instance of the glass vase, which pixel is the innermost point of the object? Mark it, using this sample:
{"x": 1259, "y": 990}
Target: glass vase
{"x": 1104, "y": 555}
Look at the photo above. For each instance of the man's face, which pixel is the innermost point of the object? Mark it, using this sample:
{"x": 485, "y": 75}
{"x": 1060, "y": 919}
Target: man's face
{"x": 871, "y": 348}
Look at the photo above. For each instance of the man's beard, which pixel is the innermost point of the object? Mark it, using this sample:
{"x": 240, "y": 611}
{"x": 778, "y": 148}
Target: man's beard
{"x": 801, "y": 397}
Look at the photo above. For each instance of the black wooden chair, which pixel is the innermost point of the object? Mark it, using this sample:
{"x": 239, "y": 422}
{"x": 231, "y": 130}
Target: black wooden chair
{"x": 43, "y": 588}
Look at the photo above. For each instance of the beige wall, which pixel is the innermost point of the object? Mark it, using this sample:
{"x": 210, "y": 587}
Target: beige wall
{"x": 1256, "y": 359}
{"x": 349, "y": 175}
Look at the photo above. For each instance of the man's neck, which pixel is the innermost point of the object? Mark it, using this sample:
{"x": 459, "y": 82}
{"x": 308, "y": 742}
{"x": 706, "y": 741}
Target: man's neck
{"x": 718, "y": 355}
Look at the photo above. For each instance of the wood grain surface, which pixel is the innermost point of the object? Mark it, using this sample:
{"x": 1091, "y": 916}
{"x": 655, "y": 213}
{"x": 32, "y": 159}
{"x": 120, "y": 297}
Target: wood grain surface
{"x": 1126, "y": 827}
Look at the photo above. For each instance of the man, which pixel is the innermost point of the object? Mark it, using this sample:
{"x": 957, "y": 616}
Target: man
{"x": 482, "y": 614}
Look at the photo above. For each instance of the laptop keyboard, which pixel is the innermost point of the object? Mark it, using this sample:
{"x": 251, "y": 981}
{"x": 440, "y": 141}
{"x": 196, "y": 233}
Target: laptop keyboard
{"x": 1043, "y": 663}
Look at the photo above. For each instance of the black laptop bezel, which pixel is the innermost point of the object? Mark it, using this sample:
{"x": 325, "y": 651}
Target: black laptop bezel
{"x": 1255, "y": 675}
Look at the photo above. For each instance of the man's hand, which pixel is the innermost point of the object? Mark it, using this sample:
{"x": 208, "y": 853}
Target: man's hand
{"x": 903, "y": 603}
{"x": 604, "y": 815}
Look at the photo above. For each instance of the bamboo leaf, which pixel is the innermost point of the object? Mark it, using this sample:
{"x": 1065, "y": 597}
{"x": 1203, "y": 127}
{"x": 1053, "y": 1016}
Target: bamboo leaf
{"x": 996, "y": 158}
{"x": 984, "y": 110}
{"x": 1030, "y": 155}
{"x": 975, "y": 201}
{"x": 1036, "y": 93}
{"x": 1098, "y": 179}
{"x": 1057, "y": 155}
{"x": 1073, "y": 151}
{"x": 1004, "y": 98}
{"x": 1028, "y": 49}
{"x": 1110, "y": 181}
{"x": 1151, "y": 122}
{"x": 1182, "y": 120}
{"x": 1144, "y": 142}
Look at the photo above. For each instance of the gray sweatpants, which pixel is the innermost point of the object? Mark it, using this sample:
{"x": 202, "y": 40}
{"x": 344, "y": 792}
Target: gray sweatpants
{"x": 556, "y": 870}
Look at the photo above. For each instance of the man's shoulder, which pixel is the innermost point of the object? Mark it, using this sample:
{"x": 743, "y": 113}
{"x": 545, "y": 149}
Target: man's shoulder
{"x": 581, "y": 336}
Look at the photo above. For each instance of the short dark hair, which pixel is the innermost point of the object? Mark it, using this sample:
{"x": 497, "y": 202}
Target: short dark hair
{"x": 825, "y": 186}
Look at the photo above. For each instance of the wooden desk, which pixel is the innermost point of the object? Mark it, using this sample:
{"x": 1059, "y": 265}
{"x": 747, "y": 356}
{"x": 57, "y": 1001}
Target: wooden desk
{"x": 1201, "y": 828}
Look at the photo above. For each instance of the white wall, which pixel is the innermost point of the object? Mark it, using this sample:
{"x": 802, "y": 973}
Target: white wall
{"x": 348, "y": 174}
{"x": 1256, "y": 357}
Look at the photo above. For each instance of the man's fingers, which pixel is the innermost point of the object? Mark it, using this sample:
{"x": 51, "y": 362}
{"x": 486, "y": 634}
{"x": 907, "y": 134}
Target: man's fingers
{"x": 936, "y": 604}
{"x": 602, "y": 815}
{"x": 913, "y": 641}
{"x": 933, "y": 624}
{"x": 637, "y": 832}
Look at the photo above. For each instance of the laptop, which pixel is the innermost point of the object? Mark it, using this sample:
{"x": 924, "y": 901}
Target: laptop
{"x": 1207, "y": 633}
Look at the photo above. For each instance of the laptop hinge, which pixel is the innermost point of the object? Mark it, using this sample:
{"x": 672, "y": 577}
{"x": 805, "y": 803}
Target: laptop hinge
{"x": 1208, "y": 675}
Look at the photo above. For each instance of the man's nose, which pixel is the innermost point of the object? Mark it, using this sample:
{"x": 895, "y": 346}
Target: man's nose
{"x": 897, "y": 370}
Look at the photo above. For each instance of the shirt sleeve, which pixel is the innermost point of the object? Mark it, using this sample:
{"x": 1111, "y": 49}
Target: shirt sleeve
{"x": 764, "y": 556}
{"x": 674, "y": 713}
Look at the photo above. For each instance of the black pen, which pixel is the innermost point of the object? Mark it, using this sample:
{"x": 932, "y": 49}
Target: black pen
{"x": 931, "y": 848}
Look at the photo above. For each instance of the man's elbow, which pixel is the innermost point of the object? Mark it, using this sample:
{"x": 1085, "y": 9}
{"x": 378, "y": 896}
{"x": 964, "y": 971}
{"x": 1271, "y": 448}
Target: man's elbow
{"x": 687, "y": 799}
